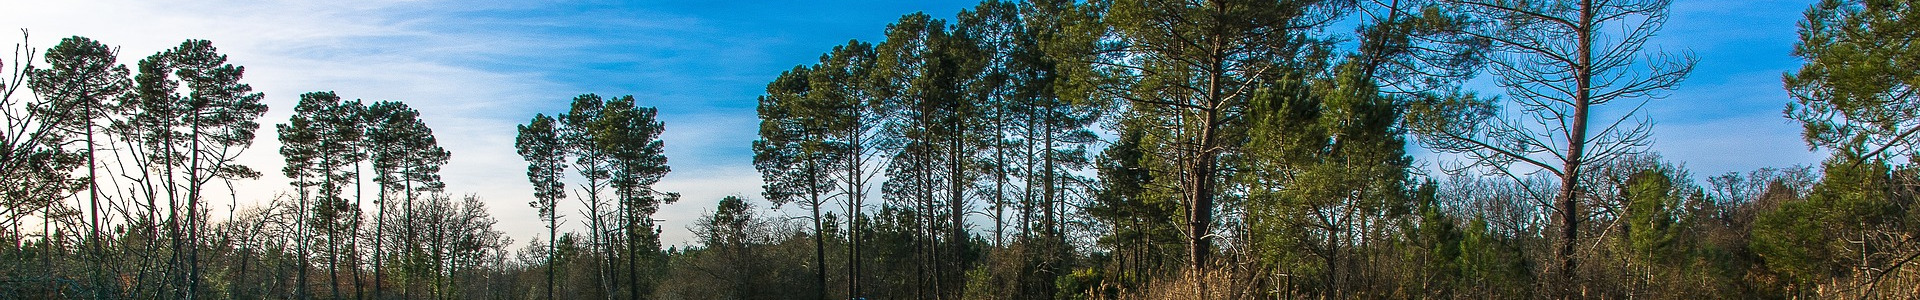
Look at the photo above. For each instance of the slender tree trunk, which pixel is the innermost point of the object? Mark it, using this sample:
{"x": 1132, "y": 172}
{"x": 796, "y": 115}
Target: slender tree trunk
{"x": 301, "y": 221}
{"x": 1048, "y": 184}
{"x": 194, "y": 174}
{"x": 819, "y": 246}
{"x": 1027, "y": 194}
{"x": 172, "y": 274}
{"x": 633, "y": 258}
{"x": 379, "y": 241}
{"x": 552, "y": 236}
{"x": 353, "y": 244}
{"x": 609, "y": 271}
{"x": 408, "y": 244}
{"x": 98, "y": 241}
{"x": 1576, "y": 146}
{"x": 956, "y": 203}
{"x": 333, "y": 260}
{"x": 47, "y": 243}
{"x": 856, "y": 192}
{"x": 1200, "y": 197}
{"x": 1000, "y": 178}
{"x": 234, "y": 290}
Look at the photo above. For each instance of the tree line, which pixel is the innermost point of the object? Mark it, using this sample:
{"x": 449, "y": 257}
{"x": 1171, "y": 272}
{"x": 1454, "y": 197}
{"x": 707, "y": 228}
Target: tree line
{"x": 114, "y": 183}
{"x": 1139, "y": 149}
{"x": 1256, "y": 149}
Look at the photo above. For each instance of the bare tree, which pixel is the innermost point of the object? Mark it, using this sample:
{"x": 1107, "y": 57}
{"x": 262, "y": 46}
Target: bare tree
{"x": 1560, "y": 63}
{"x": 33, "y": 158}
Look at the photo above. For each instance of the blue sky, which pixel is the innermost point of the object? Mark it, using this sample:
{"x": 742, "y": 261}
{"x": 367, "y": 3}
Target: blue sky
{"x": 476, "y": 68}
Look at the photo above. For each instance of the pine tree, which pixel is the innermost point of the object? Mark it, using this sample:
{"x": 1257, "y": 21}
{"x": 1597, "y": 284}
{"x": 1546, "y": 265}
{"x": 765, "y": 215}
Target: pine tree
{"x": 539, "y": 143}
{"x": 935, "y": 132}
{"x": 1855, "y": 98}
{"x": 1856, "y": 89}
{"x": 190, "y": 140}
{"x": 78, "y": 86}
{"x": 300, "y": 146}
{"x": 406, "y": 160}
{"x": 78, "y": 89}
{"x": 576, "y": 133}
{"x": 320, "y": 142}
{"x": 1198, "y": 66}
{"x": 794, "y": 157}
{"x": 629, "y": 135}
{"x": 1328, "y": 170}
{"x": 1142, "y": 221}
{"x": 841, "y": 88}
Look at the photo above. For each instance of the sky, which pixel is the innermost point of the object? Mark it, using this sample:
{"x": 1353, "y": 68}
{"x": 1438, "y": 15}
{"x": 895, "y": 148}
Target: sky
{"x": 477, "y": 68}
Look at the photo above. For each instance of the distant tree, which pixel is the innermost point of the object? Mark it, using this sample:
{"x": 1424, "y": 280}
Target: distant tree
{"x": 320, "y": 142}
{"x": 1491, "y": 264}
{"x": 727, "y": 234}
{"x": 841, "y": 88}
{"x": 300, "y": 140}
{"x": 540, "y": 144}
{"x": 576, "y": 133}
{"x": 190, "y": 137}
{"x": 455, "y": 239}
{"x": 1436, "y": 237}
{"x": 1856, "y": 98}
{"x": 795, "y": 157}
{"x": 406, "y": 160}
{"x": 79, "y": 86}
{"x": 743, "y": 255}
{"x": 924, "y": 70}
{"x": 1327, "y": 169}
{"x": 728, "y": 227}
{"x": 1144, "y": 233}
{"x": 1655, "y": 215}
{"x": 629, "y": 135}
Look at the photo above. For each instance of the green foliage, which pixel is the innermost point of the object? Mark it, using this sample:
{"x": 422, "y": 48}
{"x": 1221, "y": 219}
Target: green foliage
{"x": 1492, "y": 266}
{"x": 540, "y": 144}
{"x": 79, "y": 86}
{"x": 1855, "y": 92}
{"x": 1436, "y": 240}
{"x": 44, "y": 140}
{"x": 1189, "y": 71}
{"x": 1325, "y": 163}
{"x": 1654, "y": 216}
{"x": 1808, "y": 241}
{"x": 1144, "y": 233}
{"x": 795, "y": 155}
{"x": 402, "y": 150}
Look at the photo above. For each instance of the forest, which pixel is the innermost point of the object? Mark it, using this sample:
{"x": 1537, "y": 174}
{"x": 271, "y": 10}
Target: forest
{"x": 1042, "y": 149}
